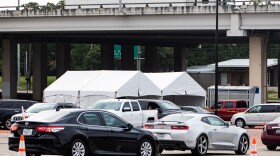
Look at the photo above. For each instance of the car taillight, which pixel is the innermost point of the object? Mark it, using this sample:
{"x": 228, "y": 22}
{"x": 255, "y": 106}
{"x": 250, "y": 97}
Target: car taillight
{"x": 180, "y": 127}
{"x": 14, "y": 127}
{"x": 148, "y": 127}
{"x": 49, "y": 129}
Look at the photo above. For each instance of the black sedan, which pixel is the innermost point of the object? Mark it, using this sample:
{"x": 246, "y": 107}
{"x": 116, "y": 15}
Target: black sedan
{"x": 81, "y": 132}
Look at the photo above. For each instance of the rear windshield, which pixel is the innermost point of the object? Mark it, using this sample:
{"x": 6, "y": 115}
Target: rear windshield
{"x": 48, "y": 116}
{"x": 277, "y": 119}
{"x": 36, "y": 108}
{"x": 170, "y": 106}
{"x": 108, "y": 105}
{"x": 176, "y": 117}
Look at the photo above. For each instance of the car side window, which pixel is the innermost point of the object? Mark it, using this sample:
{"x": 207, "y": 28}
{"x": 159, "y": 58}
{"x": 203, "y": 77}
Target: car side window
{"x": 143, "y": 105}
{"x": 229, "y": 104}
{"x": 256, "y": 109}
{"x": 241, "y": 104}
{"x": 278, "y": 108}
{"x": 268, "y": 109}
{"x": 205, "y": 119}
{"x": 126, "y": 104}
{"x": 215, "y": 121}
{"x": 90, "y": 118}
{"x": 113, "y": 121}
{"x": 135, "y": 106}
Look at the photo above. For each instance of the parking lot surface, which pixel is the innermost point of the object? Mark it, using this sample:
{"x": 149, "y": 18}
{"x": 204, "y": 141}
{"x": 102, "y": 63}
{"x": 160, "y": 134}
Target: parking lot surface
{"x": 256, "y": 132}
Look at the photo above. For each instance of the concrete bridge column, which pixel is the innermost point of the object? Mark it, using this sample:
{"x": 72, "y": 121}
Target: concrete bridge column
{"x": 151, "y": 59}
{"x": 107, "y": 56}
{"x": 258, "y": 65}
{"x": 127, "y": 61}
{"x": 63, "y": 58}
{"x": 179, "y": 59}
{"x": 39, "y": 70}
{"x": 9, "y": 69}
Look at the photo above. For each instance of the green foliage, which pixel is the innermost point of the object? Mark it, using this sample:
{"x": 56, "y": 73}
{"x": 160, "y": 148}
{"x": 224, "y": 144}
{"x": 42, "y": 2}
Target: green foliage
{"x": 48, "y": 7}
{"x": 166, "y": 61}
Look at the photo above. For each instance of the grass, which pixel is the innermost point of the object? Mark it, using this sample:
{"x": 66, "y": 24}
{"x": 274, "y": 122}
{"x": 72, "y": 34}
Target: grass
{"x": 271, "y": 95}
{"x": 22, "y": 86}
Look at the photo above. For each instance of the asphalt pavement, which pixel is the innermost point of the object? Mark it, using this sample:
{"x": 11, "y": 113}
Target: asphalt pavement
{"x": 256, "y": 132}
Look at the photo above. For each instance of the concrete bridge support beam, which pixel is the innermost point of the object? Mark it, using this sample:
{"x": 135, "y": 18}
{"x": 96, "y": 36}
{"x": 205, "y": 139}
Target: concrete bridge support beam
{"x": 9, "y": 69}
{"x": 257, "y": 68}
{"x": 127, "y": 61}
{"x": 107, "y": 56}
{"x": 179, "y": 59}
{"x": 63, "y": 58}
{"x": 151, "y": 59}
{"x": 39, "y": 70}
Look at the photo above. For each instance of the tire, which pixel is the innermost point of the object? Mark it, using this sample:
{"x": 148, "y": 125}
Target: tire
{"x": 7, "y": 123}
{"x": 240, "y": 123}
{"x": 146, "y": 148}
{"x": 271, "y": 147}
{"x": 78, "y": 148}
{"x": 243, "y": 145}
{"x": 201, "y": 146}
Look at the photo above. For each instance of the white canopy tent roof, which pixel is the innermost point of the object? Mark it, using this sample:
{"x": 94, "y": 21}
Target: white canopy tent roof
{"x": 179, "y": 83}
{"x": 87, "y": 87}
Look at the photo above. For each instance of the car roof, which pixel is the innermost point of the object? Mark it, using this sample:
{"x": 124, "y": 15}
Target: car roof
{"x": 121, "y": 100}
{"x": 267, "y": 104}
{"x": 17, "y": 100}
{"x": 152, "y": 100}
{"x": 193, "y": 114}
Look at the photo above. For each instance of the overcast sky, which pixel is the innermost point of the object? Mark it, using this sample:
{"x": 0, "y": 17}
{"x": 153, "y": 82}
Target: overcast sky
{"x": 15, "y": 2}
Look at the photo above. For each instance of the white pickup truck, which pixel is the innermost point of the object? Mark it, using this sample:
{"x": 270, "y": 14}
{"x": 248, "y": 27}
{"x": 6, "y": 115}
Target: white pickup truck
{"x": 128, "y": 110}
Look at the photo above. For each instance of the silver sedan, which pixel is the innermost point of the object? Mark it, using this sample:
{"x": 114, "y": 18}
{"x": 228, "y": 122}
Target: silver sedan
{"x": 198, "y": 133}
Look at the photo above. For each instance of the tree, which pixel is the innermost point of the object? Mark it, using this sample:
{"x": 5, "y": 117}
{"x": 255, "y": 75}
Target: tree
{"x": 31, "y": 6}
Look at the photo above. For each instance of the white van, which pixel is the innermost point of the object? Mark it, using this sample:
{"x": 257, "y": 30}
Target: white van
{"x": 259, "y": 114}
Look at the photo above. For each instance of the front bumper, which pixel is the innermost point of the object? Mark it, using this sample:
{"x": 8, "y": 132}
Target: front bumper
{"x": 40, "y": 145}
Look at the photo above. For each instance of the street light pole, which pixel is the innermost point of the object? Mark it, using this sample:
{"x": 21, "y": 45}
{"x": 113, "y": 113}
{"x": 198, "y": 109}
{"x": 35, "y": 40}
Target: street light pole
{"x": 216, "y": 59}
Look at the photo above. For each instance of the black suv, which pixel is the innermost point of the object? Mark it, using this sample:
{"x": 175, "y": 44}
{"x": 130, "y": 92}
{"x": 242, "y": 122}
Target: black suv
{"x": 38, "y": 107}
{"x": 10, "y": 107}
{"x": 164, "y": 107}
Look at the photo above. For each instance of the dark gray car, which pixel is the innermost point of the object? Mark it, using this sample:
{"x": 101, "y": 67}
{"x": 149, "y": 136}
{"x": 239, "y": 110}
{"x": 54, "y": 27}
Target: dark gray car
{"x": 164, "y": 107}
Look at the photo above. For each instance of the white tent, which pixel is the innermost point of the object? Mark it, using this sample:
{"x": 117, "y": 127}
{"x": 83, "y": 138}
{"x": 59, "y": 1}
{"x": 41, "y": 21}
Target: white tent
{"x": 86, "y": 87}
{"x": 68, "y": 86}
{"x": 179, "y": 87}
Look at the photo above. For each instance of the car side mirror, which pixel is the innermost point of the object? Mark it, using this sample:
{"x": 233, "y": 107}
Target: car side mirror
{"x": 129, "y": 127}
{"x": 227, "y": 124}
{"x": 126, "y": 109}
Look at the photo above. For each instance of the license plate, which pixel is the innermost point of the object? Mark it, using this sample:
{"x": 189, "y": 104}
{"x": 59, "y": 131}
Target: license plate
{"x": 277, "y": 131}
{"x": 163, "y": 136}
{"x": 27, "y": 132}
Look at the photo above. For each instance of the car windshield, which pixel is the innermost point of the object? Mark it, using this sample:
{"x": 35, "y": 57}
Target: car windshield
{"x": 170, "y": 106}
{"x": 202, "y": 110}
{"x": 38, "y": 107}
{"x": 108, "y": 105}
{"x": 176, "y": 118}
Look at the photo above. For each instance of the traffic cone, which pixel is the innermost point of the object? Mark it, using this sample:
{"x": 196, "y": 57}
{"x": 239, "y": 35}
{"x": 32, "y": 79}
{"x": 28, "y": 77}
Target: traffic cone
{"x": 21, "y": 148}
{"x": 254, "y": 147}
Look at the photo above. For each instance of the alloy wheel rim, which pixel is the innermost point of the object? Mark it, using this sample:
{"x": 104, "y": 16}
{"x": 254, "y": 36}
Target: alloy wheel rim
{"x": 244, "y": 144}
{"x": 239, "y": 123}
{"x": 146, "y": 149}
{"x": 202, "y": 145}
{"x": 8, "y": 123}
{"x": 78, "y": 149}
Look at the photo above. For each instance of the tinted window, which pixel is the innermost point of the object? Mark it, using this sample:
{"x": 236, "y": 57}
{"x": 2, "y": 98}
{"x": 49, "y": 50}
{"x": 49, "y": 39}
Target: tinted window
{"x": 135, "y": 106}
{"x": 219, "y": 105}
{"x": 189, "y": 109}
{"x": 229, "y": 104}
{"x": 113, "y": 121}
{"x": 241, "y": 104}
{"x": 7, "y": 105}
{"x": 205, "y": 119}
{"x": 169, "y": 105}
{"x": 216, "y": 121}
{"x": 278, "y": 108}
{"x": 126, "y": 104}
{"x": 90, "y": 118}
{"x": 143, "y": 105}
{"x": 25, "y": 104}
{"x": 256, "y": 109}
{"x": 268, "y": 108}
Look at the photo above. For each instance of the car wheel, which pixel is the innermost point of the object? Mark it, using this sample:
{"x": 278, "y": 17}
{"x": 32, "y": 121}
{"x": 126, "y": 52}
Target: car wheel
{"x": 243, "y": 145}
{"x": 78, "y": 148}
{"x": 240, "y": 123}
{"x": 7, "y": 123}
{"x": 271, "y": 147}
{"x": 201, "y": 146}
{"x": 146, "y": 148}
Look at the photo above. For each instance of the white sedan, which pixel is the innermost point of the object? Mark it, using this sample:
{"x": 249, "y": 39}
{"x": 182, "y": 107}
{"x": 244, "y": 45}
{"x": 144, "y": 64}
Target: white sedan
{"x": 198, "y": 133}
